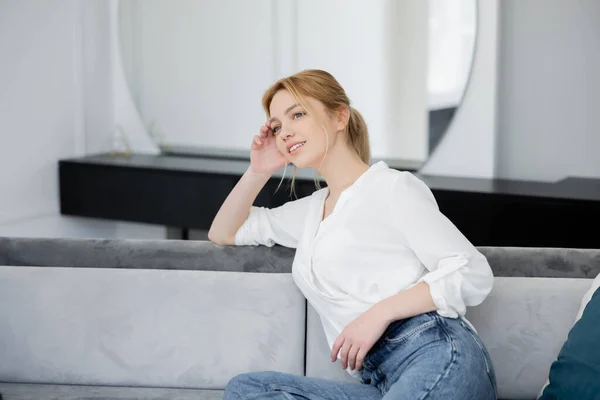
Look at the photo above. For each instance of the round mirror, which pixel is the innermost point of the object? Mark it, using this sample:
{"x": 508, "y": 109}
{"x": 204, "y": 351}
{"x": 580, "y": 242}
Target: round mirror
{"x": 197, "y": 69}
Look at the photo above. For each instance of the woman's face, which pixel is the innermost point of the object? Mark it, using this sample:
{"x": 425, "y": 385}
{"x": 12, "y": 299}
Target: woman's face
{"x": 299, "y": 132}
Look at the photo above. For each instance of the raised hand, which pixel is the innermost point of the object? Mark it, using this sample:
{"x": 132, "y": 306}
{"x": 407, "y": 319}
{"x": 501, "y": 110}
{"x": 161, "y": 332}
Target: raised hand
{"x": 265, "y": 157}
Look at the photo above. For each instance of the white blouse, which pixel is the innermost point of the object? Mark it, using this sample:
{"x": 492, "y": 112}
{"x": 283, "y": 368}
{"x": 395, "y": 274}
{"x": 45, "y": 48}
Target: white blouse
{"x": 385, "y": 234}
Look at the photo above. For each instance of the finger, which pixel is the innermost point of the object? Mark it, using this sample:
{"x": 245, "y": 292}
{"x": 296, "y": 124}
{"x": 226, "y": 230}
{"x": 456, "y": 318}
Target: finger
{"x": 257, "y": 140}
{"x": 264, "y": 131}
{"x": 352, "y": 353}
{"x": 344, "y": 353}
{"x": 360, "y": 358}
{"x": 336, "y": 348}
{"x": 268, "y": 124}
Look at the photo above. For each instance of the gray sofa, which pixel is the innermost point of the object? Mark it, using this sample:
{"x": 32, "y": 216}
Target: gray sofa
{"x": 145, "y": 319}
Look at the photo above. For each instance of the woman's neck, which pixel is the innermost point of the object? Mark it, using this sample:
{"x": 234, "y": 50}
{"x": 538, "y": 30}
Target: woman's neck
{"x": 341, "y": 168}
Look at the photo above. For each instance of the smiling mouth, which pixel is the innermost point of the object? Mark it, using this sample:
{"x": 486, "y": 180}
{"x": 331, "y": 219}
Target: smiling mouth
{"x": 296, "y": 147}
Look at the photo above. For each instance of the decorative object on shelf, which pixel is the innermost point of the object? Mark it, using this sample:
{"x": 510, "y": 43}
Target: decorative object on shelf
{"x": 158, "y": 135}
{"x": 119, "y": 144}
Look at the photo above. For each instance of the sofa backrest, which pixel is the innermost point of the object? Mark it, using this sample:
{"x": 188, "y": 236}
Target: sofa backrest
{"x": 133, "y": 327}
{"x": 523, "y": 323}
{"x": 143, "y": 254}
{"x": 203, "y": 255}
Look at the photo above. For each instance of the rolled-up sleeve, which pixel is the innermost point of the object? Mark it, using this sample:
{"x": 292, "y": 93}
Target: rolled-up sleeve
{"x": 282, "y": 225}
{"x": 458, "y": 275}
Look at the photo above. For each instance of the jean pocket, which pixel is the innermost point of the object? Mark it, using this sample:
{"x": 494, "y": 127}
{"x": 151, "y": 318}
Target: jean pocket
{"x": 407, "y": 328}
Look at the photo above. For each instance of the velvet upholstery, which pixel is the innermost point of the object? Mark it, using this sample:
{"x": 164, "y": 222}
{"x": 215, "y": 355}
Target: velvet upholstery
{"x": 202, "y": 255}
{"x": 171, "y": 319}
{"x": 182, "y": 329}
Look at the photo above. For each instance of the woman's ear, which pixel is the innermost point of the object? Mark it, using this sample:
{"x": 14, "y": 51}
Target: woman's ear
{"x": 343, "y": 118}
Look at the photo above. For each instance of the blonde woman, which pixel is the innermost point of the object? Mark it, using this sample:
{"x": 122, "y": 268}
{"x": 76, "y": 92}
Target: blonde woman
{"x": 388, "y": 273}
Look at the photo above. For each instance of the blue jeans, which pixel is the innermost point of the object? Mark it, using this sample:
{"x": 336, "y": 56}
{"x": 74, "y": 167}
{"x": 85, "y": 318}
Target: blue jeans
{"x": 424, "y": 357}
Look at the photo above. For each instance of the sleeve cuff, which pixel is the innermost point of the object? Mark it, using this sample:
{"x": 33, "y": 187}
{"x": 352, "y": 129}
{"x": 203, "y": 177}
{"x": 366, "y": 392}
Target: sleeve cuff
{"x": 248, "y": 232}
{"x": 439, "y": 299}
{"x": 438, "y": 285}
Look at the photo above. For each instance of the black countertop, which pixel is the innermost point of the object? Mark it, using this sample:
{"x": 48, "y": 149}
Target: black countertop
{"x": 573, "y": 188}
{"x": 234, "y": 163}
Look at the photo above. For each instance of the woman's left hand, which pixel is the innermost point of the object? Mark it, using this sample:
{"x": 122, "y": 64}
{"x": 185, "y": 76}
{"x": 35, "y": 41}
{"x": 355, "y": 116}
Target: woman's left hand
{"x": 359, "y": 336}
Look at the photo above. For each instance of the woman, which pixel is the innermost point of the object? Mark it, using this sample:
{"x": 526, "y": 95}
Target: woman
{"x": 389, "y": 275}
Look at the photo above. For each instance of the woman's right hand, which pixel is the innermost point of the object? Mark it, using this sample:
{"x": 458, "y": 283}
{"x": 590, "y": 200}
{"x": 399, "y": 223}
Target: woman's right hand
{"x": 265, "y": 157}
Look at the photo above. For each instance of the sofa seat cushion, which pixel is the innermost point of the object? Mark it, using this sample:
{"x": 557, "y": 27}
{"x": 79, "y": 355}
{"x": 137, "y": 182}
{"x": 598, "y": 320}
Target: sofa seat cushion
{"x": 32, "y": 391}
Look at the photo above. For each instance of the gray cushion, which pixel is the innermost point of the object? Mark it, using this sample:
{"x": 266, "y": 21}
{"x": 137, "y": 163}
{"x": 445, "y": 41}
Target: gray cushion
{"x": 523, "y": 323}
{"x": 182, "y": 329}
{"x": 203, "y": 255}
{"x": 144, "y": 254}
{"x": 28, "y": 391}
{"x": 543, "y": 262}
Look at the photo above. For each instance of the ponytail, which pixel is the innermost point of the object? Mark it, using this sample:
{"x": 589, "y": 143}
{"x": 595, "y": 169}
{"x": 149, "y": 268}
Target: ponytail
{"x": 358, "y": 135}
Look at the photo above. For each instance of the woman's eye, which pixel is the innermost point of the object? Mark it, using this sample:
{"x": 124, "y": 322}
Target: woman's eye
{"x": 276, "y": 129}
{"x": 298, "y": 114}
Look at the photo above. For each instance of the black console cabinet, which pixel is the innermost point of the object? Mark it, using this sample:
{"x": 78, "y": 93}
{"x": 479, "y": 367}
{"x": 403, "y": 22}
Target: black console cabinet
{"x": 186, "y": 192}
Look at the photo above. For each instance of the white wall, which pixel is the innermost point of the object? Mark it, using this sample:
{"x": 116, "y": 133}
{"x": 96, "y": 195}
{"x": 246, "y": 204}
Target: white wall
{"x": 549, "y": 96}
{"x": 53, "y": 104}
{"x": 96, "y": 75}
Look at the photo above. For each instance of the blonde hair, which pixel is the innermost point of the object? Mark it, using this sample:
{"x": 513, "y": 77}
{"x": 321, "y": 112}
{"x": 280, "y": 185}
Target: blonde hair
{"x": 322, "y": 86}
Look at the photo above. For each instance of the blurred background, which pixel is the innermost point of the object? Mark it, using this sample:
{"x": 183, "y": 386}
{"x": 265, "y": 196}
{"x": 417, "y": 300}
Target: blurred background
{"x": 398, "y": 61}
{"x": 495, "y": 91}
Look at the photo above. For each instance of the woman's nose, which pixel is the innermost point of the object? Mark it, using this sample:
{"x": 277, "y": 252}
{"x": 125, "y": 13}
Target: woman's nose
{"x": 286, "y": 133}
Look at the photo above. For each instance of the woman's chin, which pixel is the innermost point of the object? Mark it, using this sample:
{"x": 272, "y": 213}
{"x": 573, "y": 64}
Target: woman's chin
{"x": 306, "y": 157}
{"x": 301, "y": 161}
